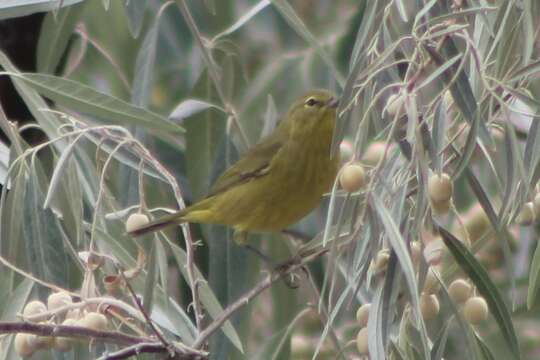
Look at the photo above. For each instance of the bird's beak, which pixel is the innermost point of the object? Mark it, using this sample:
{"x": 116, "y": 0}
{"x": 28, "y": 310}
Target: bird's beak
{"x": 333, "y": 103}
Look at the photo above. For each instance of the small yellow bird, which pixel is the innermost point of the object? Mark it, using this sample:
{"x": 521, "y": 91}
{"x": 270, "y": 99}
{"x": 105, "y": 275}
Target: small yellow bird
{"x": 278, "y": 181}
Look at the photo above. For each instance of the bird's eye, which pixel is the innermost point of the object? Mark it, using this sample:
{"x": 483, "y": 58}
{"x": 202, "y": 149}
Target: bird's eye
{"x": 311, "y": 102}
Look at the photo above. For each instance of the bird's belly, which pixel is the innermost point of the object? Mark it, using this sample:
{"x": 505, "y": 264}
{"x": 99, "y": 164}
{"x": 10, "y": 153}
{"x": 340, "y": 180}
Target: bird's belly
{"x": 271, "y": 204}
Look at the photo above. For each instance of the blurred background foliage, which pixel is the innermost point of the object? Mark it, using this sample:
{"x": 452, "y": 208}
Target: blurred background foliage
{"x": 191, "y": 85}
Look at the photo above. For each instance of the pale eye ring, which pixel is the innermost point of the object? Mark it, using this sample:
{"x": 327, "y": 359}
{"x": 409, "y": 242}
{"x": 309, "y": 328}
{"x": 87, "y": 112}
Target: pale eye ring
{"x": 311, "y": 102}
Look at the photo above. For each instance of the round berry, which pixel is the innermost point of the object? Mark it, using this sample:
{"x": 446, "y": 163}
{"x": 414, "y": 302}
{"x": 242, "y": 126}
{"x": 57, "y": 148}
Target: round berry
{"x": 374, "y": 153}
{"x": 362, "y": 315}
{"x": 135, "y": 221}
{"x": 24, "y": 345}
{"x": 526, "y": 216}
{"x": 395, "y": 104}
{"x": 459, "y": 291}
{"x": 58, "y": 300}
{"x": 440, "y": 188}
{"x": 429, "y": 306}
{"x": 476, "y": 310}
{"x": 33, "y": 308}
{"x": 381, "y": 261}
{"x": 352, "y": 177}
{"x": 94, "y": 320}
{"x": 536, "y": 202}
{"x": 362, "y": 341}
{"x": 416, "y": 251}
{"x": 432, "y": 285}
{"x": 64, "y": 343}
{"x": 433, "y": 251}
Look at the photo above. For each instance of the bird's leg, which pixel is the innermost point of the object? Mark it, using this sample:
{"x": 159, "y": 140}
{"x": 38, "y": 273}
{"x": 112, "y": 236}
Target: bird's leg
{"x": 240, "y": 238}
{"x": 260, "y": 254}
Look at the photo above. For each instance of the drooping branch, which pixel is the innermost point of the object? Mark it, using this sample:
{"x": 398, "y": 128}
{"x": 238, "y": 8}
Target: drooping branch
{"x": 279, "y": 272}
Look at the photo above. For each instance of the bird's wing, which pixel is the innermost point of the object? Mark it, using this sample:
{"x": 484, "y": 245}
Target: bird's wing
{"x": 253, "y": 164}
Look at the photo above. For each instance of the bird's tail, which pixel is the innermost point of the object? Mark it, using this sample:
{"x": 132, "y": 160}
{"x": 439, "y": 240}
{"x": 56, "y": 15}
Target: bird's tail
{"x": 160, "y": 223}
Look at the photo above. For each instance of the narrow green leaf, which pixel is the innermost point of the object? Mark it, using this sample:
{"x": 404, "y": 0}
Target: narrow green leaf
{"x": 398, "y": 245}
{"x": 460, "y": 89}
{"x": 439, "y": 345}
{"x": 485, "y": 286}
{"x": 191, "y": 107}
{"x": 15, "y": 301}
{"x": 135, "y": 14}
{"x": 54, "y": 36}
{"x": 18, "y": 8}
{"x": 207, "y": 297}
{"x": 534, "y": 279}
{"x": 49, "y": 123}
{"x": 301, "y": 29}
{"x": 144, "y": 67}
{"x": 438, "y": 71}
{"x": 83, "y": 98}
{"x": 483, "y": 349}
{"x": 61, "y": 165}
{"x": 248, "y": 15}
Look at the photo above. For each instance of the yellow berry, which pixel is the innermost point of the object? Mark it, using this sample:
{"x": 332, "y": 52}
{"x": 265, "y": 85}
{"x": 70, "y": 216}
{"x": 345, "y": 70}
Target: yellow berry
{"x": 476, "y": 310}
{"x": 374, "y": 153}
{"x": 43, "y": 342}
{"x": 476, "y": 223}
{"x": 362, "y": 315}
{"x": 362, "y": 341}
{"x": 346, "y": 150}
{"x": 135, "y": 221}
{"x": 440, "y": 207}
{"x": 33, "y": 308}
{"x": 537, "y": 204}
{"x": 416, "y": 251}
{"x": 93, "y": 320}
{"x": 381, "y": 261}
{"x": 433, "y": 251}
{"x": 58, "y": 300}
{"x": 459, "y": 291}
{"x": 429, "y": 306}
{"x": 526, "y": 216}
{"x": 432, "y": 285}
{"x": 64, "y": 343}
{"x": 440, "y": 188}
{"x": 497, "y": 133}
{"x": 73, "y": 314}
{"x": 395, "y": 104}
{"x": 24, "y": 345}
{"x": 352, "y": 177}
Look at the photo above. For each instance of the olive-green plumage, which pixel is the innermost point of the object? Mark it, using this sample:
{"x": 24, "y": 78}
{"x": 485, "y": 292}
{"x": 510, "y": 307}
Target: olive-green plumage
{"x": 278, "y": 181}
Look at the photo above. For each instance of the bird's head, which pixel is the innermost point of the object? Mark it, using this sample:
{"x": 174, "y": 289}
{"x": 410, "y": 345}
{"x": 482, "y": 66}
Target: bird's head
{"x": 313, "y": 114}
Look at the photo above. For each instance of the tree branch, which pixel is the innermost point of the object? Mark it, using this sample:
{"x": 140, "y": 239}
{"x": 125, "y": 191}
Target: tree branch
{"x": 113, "y": 337}
{"x": 135, "y": 344}
{"x": 280, "y": 271}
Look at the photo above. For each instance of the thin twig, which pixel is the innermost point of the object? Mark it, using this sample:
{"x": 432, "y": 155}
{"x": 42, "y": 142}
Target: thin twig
{"x": 47, "y": 329}
{"x": 150, "y": 348}
{"x": 212, "y": 71}
{"x": 149, "y": 321}
{"x": 135, "y": 344}
{"x": 280, "y": 271}
{"x": 323, "y": 315}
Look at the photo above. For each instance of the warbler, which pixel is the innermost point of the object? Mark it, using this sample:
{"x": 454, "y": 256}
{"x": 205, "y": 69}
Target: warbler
{"x": 275, "y": 183}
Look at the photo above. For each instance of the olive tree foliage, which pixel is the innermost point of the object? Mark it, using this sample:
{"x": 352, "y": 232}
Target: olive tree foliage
{"x": 142, "y": 105}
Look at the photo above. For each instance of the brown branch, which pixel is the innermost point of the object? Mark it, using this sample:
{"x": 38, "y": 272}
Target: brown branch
{"x": 280, "y": 271}
{"x": 151, "y": 348}
{"x": 149, "y": 321}
{"x": 135, "y": 344}
{"x": 113, "y": 337}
